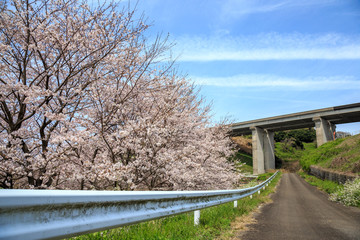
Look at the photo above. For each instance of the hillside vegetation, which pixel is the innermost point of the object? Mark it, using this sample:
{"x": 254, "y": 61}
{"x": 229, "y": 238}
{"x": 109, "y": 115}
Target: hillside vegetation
{"x": 288, "y": 152}
{"x": 341, "y": 155}
{"x": 289, "y": 146}
{"x": 242, "y": 158}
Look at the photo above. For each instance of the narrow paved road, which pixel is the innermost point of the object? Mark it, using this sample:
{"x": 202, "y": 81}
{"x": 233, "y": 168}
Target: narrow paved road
{"x": 300, "y": 211}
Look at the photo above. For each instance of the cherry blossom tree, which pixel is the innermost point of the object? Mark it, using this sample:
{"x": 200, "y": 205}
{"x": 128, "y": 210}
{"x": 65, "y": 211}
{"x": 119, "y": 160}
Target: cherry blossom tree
{"x": 85, "y": 104}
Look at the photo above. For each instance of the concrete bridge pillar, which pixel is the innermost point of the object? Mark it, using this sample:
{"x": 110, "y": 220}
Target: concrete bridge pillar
{"x": 263, "y": 150}
{"x": 324, "y": 130}
{"x": 269, "y": 150}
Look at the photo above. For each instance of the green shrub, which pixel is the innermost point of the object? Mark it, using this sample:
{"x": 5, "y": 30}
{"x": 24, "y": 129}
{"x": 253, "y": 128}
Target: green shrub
{"x": 301, "y": 135}
{"x": 349, "y": 195}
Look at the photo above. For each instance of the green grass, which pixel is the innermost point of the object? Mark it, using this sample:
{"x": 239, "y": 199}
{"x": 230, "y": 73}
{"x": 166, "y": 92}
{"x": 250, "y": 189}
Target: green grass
{"x": 341, "y": 155}
{"x": 289, "y": 154}
{"x": 243, "y": 162}
{"x": 263, "y": 176}
{"x": 347, "y": 194}
{"x": 321, "y": 154}
{"x": 345, "y": 157}
{"x": 214, "y": 222}
{"x": 324, "y": 185}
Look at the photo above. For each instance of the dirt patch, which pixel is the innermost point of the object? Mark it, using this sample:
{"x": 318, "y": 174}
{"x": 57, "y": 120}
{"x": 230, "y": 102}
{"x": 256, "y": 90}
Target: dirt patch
{"x": 356, "y": 167}
{"x": 243, "y": 224}
{"x": 351, "y": 141}
{"x": 338, "y": 162}
{"x": 244, "y": 144}
{"x": 240, "y": 224}
{"x": 291, "y": 167}
{"x": 246, "y": 223}
{"x": 245, "y": 180}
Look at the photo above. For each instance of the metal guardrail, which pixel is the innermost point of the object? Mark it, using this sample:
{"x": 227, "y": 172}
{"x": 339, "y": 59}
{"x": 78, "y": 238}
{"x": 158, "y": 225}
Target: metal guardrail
{"x": 55, "y": 214}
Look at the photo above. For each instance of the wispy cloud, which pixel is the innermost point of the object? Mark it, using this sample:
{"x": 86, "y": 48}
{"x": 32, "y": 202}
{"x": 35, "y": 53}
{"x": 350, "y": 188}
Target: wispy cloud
{"x": 257, "y": 81}
{"x": 272, "y": 46}
{"x": 232, "y": 9}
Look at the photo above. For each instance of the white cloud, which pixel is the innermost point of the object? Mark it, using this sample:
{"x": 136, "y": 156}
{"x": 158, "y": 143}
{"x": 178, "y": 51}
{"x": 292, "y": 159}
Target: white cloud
{"x": 232, "y": 9}
{"x": 271, "y": 46}
{"x": 278, "y": 82}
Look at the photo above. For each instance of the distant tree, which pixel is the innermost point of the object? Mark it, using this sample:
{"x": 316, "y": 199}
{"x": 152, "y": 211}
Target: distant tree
{"x": 299, "y": 135}
{"x": 280, "y": 136}
{"x": 84, "y": 104}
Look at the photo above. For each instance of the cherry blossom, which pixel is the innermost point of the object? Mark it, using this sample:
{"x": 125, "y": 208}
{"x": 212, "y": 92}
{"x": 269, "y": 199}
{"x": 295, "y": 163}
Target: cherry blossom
{"x": 85, "y": 103}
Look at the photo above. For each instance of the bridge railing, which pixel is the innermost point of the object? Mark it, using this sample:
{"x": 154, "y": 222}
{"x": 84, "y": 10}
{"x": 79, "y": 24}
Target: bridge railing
{"x": 55, "y": 214}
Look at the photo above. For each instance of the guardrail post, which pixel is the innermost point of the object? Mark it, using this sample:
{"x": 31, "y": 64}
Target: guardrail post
{"x": 250, "y": 196}
{"x": 235, "y": 204}
{"x": 259, "y": 192}
{"x": 196, "y": 217}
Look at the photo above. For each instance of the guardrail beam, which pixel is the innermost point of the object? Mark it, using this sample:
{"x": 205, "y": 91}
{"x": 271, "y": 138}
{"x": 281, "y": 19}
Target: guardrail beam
{"x": 56, "y": 214}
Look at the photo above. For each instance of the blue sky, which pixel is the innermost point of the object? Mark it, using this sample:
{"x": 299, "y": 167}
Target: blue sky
{"x": 261, "y": 58}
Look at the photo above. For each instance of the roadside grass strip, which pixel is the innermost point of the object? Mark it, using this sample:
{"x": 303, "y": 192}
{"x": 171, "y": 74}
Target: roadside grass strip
{"x": 323, "y": 185}
{"x": 347, "y": 194}
{"x": 215, "y": 222}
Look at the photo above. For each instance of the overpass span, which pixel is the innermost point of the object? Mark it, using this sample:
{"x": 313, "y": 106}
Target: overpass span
{"x": 324, "y": 120}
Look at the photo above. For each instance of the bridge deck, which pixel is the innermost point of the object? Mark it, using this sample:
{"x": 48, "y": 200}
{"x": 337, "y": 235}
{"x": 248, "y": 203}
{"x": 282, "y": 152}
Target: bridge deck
{"x": 336, "y": 115}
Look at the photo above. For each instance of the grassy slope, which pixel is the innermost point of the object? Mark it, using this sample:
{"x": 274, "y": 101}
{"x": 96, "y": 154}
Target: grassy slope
{"x": 214, "y": 222}
{"x": 243, "y": 158}
{"x": 291, "y": 154}
{"x": 243, "y": 162}
{"x": 342, "y": 155}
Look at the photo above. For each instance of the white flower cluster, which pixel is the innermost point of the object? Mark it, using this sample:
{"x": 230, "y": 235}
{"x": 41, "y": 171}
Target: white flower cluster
{"x": 349, "y": 195}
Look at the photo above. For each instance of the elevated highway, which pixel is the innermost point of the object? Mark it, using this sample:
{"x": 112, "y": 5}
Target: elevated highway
{"x": 324, "y": 120}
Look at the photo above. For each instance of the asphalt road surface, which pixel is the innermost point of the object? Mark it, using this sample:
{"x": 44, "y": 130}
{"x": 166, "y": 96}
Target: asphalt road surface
{"x": 300, "y": 211}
